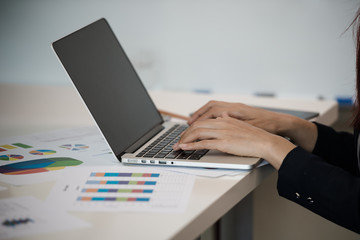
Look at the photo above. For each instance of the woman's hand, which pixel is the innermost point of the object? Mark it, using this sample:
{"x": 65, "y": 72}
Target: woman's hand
{"x": 237, "y": 137}
{"x": 302, "y": 132}
{"x": 258, "y": 117}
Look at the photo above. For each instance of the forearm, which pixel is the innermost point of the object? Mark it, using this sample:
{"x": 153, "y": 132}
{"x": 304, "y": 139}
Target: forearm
{"x": 337, "y": 148}
{"x": 321, "y": 187}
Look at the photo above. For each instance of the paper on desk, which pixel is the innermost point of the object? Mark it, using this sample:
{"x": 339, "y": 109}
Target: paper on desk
{"x": 127, "y": 189}
{"x": 24, "y": 216}
{"x": 203, "y": 172}
{"x": 45, "y": 155}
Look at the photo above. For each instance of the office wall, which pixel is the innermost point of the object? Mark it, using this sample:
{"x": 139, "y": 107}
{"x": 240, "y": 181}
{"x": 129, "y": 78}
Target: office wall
{"x": 288, "y": 47}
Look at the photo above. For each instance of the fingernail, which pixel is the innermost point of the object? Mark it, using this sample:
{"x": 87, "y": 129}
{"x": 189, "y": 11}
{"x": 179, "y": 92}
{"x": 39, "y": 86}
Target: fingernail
{"x": 183, "y": 146}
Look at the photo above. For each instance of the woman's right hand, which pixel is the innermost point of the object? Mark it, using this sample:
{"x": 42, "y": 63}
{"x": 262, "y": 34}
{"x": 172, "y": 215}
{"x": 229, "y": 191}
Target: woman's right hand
{"x": 234, "y": 136}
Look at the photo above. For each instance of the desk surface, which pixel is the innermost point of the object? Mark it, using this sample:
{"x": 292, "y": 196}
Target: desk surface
{"x": 31, "y": 109}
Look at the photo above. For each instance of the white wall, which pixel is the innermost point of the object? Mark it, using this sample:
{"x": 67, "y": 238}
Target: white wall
{"x": 288, "y": 47}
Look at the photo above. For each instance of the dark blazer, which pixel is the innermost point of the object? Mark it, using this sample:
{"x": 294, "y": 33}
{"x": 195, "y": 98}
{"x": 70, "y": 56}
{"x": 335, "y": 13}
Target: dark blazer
{"x": 327, "y": 180}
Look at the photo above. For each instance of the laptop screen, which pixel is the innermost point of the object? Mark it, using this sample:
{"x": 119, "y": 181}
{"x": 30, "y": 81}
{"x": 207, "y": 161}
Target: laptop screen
{"x": 108, "y": 84}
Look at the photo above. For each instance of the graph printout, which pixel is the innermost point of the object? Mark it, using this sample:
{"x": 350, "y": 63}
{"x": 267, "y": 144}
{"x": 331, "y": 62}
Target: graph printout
{"x": 41, "y": 157}
{"x": 122, "y": 189}
{"x": 25, "y": 216}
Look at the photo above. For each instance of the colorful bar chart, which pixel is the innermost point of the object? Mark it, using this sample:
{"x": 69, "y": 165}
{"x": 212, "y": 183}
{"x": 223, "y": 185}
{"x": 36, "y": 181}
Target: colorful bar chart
{"x": 121, "y": 182}
{"x": 115, "y": 174}
{"x": 133, "y": 187}
{"x": 123, "y": 188}
{"x": 111, "y": 190}
{"x": 113, "y": 199}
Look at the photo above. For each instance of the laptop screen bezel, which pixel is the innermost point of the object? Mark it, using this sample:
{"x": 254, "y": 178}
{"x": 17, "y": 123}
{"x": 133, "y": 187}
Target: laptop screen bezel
{"x": 63, "y": 52}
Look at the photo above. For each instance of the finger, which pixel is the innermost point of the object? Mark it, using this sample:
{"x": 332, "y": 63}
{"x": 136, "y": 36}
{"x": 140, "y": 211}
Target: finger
{"x": 194, "y": 131}
{"x": 217, "y": 123}
{"x": 201, "y": 111}
{"x": 176, "y": 146}
{"x": 198, "y": 135}
{"x": 212, "y": 113}
{"x": 225, "y": 115}
{"x": 198, "y": 113}
{"x": 204, "y": 144}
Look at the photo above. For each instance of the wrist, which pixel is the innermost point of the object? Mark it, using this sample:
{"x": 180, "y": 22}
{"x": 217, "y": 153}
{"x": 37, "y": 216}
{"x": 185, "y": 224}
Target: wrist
{"x": 277, "y": 148}
{"x": 286, "y": 124}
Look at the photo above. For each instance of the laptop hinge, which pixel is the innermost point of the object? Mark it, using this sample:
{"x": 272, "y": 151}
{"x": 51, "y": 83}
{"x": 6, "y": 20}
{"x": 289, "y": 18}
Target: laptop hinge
{"x": 143, "y": 139}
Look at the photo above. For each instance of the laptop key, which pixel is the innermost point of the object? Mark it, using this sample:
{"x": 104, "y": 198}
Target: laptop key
{"x": 160, "y": 155}
{"x": 198, "y": 154}
{"x": 185, "y": 154}
{"x": 140, "y": 154}
{"x": 150, "y": 155}
{"x": 162, "y": 147}
{"x": 173, "y": 154}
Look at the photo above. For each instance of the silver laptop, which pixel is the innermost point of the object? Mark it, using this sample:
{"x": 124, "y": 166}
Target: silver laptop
{"x": 121, "y": 106}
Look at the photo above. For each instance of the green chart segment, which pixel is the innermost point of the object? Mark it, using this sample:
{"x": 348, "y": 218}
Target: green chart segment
{"x": 22, "y": 145}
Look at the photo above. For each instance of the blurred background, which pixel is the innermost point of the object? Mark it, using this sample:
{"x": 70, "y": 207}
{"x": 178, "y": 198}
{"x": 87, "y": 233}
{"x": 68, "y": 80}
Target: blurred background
{"x": 290, "y": 48}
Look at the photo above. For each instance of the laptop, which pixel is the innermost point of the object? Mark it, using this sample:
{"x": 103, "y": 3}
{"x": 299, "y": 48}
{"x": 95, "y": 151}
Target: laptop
{"x": 123, "y": 109}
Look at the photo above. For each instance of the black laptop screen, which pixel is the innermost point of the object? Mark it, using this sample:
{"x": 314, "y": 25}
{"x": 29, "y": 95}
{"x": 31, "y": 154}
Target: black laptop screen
{"x": 108, "y": 84}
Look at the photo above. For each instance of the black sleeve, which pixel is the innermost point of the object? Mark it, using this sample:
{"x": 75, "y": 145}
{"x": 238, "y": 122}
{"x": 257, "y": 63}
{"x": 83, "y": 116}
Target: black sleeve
{"x": 324, "y": 189}
{"x": 337, "y": 148}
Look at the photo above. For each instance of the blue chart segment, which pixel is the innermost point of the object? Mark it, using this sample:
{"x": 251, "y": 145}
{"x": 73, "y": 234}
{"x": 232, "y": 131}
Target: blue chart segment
{"x": 15, "y": 222}
{"x": 38, "y": 166}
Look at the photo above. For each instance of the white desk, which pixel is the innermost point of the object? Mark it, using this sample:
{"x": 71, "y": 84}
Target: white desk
{"x": 31, "y": 109}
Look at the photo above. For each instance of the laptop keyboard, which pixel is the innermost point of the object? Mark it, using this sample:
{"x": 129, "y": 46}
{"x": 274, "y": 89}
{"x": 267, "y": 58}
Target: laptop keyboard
{"x": 162, "y": 147}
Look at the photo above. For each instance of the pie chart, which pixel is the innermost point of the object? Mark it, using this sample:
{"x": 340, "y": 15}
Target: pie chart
{"x": 75, "y": 147}
{"x": 42, "y": 152}
{"x": 39, "y": 166}
{"x": 11, "y": 157}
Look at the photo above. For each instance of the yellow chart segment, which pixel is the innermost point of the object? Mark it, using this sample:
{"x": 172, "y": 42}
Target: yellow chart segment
{"x": 54, "y": 168}
{"x": 8, "y": 146}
